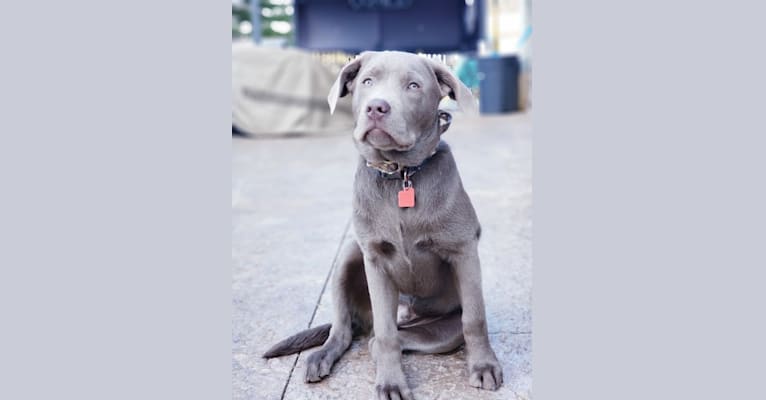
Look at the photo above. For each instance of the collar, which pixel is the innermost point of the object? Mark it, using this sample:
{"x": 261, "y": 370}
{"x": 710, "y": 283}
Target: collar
{"x": 391, "y": 170}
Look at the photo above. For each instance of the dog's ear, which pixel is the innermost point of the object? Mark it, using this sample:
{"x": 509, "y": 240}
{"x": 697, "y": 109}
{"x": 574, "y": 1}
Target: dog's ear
{"x": 451, "y": 86}
{"x": 342, "y": 85}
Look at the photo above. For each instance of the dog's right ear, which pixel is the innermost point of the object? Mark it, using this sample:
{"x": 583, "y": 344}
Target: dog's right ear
{"x": 451, "y": 86}
{"x": 342, "y": 85}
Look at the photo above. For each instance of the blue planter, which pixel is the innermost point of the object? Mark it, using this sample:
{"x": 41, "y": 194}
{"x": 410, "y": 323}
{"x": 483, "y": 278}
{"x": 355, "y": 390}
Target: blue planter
{"x": 499, "y": 84}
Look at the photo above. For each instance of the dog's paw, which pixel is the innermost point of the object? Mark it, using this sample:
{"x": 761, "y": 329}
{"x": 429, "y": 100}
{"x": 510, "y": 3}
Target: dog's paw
{"x": 486, "y": 375}
{"x": 393, "y": 387}
{"x": 393, "y": 392}
{"x": 318, "y": 365}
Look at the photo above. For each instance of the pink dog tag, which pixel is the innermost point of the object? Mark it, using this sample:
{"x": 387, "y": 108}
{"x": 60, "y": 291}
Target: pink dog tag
{"x": 407, "y": 197}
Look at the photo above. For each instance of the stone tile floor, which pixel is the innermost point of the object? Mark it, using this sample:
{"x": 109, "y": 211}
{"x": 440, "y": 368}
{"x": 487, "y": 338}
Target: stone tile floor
{"x": 291, "y": 207}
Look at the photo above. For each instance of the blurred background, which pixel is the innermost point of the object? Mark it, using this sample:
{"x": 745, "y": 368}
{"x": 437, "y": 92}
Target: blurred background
{"x": 286, "y": 54}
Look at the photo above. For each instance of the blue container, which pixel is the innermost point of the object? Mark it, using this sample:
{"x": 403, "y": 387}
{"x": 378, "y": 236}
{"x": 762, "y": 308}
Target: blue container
{"x": 499, "y": 87}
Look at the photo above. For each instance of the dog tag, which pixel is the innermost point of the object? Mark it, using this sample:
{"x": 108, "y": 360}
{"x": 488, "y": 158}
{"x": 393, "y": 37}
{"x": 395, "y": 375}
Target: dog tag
{"x": 407, "y": 197}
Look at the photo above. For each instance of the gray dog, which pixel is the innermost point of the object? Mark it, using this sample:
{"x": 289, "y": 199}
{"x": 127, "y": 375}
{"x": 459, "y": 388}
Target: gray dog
{"x": 413, "y": 272}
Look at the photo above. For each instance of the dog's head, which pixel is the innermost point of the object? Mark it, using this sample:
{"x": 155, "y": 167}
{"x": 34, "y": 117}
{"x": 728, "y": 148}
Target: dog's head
{"x": 395, "y": 103}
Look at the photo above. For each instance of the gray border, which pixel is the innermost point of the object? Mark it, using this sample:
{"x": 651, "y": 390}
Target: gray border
{"x": 649, "y": 200}
{"x": 115, "y": 155}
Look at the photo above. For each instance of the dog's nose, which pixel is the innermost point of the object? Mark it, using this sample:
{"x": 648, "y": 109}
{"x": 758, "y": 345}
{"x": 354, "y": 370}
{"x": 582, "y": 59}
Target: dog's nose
{"x": 377, "y": 108}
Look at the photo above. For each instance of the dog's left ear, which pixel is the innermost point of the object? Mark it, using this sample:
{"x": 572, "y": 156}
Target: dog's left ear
{"x": 452, "y": 86}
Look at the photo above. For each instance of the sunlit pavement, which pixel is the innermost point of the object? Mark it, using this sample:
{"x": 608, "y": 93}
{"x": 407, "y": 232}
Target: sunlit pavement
{"x": 291, "y": 206}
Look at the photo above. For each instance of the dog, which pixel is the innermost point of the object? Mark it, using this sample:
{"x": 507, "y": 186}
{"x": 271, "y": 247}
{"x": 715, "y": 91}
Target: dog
{"x": 412, "y": 275}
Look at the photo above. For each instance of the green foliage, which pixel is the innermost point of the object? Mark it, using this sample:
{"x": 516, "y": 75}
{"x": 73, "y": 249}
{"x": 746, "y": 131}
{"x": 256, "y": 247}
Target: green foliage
{"x": 276, "y": 12}
{"x": 238, "y": 14}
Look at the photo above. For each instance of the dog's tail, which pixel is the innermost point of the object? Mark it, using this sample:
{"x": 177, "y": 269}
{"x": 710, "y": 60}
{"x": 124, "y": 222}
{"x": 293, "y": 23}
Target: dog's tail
{"x": 300, "y": 341}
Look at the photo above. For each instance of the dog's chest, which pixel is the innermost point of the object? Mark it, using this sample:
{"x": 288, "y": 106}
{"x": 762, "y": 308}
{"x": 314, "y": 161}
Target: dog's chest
{"x": 408, "y": 253}
{"x": 412, "y": 244}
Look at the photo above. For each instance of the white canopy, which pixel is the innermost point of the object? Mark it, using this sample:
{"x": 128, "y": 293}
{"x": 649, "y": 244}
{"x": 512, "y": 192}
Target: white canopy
{"x": 283, "y": 91}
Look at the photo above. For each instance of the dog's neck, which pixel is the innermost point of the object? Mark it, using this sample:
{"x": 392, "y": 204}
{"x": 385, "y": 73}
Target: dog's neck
{"x": 392, "y": 170}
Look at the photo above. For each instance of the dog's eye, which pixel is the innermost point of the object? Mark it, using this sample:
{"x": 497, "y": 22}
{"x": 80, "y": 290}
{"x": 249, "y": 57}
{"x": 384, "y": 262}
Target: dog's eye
{"x": 367, "y": 82}
{"x": 413, "y": 85}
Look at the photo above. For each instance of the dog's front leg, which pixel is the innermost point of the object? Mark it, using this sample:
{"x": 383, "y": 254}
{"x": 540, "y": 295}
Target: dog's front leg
{"x": 390, "y": 383}
{"x": 483, "y": 368}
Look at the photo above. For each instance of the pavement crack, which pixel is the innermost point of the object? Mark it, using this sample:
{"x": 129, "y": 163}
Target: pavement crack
{"x": 284, "y": 389}
{"x": 329, "y": 273}
{"x": 319, "y": 300}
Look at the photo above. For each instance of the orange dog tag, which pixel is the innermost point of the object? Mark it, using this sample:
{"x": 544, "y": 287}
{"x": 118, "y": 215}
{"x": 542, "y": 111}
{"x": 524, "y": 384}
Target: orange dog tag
{"x": 407, "y": 197}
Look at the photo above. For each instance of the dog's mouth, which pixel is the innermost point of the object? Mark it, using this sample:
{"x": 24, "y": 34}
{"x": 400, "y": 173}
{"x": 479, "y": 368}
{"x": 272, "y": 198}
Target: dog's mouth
{"x": 382, "y": 140}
